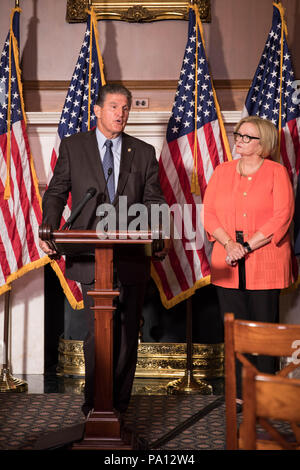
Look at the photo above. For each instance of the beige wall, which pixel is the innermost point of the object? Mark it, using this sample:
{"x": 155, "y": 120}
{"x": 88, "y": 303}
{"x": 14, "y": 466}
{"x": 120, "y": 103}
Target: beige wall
{"x": 146, "y": 52}
{"x": 131, "y": 52}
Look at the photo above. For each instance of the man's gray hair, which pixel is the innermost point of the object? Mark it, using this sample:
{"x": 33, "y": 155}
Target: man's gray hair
{"x": 113, "y": 89}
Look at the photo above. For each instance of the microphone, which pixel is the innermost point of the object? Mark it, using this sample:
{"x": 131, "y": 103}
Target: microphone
{"x": 75, "y": 213}
{"x": 103, "y": 196}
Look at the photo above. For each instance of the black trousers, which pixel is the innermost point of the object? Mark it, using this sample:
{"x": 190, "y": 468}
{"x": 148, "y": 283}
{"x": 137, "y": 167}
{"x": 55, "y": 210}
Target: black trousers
{"x": 127, "y": 317}
{"x": 251, "y": 305}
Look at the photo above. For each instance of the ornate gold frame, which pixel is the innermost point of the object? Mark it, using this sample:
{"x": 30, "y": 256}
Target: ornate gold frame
{"x": 136, "y": 10}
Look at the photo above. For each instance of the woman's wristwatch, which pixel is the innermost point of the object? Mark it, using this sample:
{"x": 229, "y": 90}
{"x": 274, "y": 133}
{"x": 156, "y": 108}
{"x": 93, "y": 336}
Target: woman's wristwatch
{"x": 247, "y": 246}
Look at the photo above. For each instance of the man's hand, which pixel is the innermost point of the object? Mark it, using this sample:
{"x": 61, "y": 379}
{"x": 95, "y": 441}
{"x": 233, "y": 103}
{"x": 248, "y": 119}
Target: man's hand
{"x": 46, "y": 248}
{"x": 160, "y": 255}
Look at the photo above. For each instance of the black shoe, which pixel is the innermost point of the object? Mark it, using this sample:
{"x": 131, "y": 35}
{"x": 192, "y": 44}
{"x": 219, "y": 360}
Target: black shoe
{"x": 86, "y": 409}
{"x": 239, "y": 408}
{"x": 121, "y": 408}
{"x": 239, "y": 405}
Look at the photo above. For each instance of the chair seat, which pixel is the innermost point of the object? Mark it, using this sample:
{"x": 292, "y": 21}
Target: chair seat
{"x": 271, "y": 412}
{"x": 265, "y": 440}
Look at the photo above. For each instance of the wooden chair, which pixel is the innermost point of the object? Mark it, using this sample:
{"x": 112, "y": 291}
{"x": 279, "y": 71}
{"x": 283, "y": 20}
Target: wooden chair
{"x": 246, "y": 337}
{"x": 270, "y": 400}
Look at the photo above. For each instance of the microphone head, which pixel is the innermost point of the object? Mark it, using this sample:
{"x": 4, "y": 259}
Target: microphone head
{"x": 92, "y": 191}
{"x": 109, "y": 171}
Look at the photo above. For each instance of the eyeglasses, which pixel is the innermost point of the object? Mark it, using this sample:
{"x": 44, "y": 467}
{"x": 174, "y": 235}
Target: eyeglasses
{"x": 245, "y": 138}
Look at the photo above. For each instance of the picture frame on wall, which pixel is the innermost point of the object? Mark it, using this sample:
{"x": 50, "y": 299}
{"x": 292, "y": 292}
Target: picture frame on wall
{"x": 136, "y": 11}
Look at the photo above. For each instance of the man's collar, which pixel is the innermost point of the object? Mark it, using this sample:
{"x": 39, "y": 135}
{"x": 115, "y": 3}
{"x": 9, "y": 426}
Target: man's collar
{"x": 102, "y": 139}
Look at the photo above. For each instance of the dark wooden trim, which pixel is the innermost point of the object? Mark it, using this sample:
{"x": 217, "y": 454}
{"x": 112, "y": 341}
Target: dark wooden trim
{"x": 62, "y": 85}
{"x": 45, "y": 85}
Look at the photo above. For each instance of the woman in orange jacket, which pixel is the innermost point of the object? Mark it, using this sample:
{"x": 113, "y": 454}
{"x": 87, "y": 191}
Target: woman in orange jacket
{"x": 248, "y": 208}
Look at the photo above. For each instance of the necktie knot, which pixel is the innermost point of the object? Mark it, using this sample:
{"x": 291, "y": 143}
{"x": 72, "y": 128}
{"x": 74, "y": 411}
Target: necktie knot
{"x": 108, "y": 144}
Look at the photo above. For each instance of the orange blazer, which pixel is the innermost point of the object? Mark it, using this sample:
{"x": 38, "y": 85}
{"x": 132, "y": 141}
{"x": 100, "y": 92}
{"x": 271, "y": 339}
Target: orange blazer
{"x": 261, "y": 202}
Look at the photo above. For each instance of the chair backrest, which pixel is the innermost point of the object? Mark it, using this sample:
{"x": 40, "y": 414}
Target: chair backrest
{"x": 269, "y": 400}
{"x": 246, "y": 337}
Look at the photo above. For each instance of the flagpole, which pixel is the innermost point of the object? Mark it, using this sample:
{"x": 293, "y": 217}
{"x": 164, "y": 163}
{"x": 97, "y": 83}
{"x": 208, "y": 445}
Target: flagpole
{"x": 8, "y": 383}
{"x": 188, "y": 384}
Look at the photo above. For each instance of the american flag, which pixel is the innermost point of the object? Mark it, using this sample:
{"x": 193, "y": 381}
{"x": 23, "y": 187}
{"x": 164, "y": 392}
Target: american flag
{"x": 77, "y": 116}
{"x": 20, "y": 202}
{"x": 187, "y": 161}
{"x": 273, "y": 93}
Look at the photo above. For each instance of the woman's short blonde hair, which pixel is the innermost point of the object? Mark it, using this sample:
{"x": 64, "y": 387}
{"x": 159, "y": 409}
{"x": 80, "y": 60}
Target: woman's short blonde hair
{"x": 267, "y": 132}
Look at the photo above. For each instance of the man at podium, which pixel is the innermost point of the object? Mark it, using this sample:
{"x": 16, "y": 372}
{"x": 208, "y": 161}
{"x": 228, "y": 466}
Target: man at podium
{"x": 116, "y": 165}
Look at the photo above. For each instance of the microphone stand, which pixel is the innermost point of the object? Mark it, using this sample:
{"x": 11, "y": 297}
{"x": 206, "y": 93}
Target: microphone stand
{"x": 78, "y": 209}
{"x": 8, "y": 383}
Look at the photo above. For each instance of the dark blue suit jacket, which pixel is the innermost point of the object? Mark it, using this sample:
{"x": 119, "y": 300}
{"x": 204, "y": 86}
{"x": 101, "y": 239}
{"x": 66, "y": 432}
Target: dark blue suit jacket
{"x": 79, "y": 167}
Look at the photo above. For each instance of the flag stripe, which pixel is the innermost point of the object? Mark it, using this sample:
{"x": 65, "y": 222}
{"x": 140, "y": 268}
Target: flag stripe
{"x": 9, "y": 251}
{"x": 185, "y": 197}
{"x": 20, "y": 210}
{"x": 173, "y": 257}
{"x": 268, "y": 95}
{"x": 271, "y": 95}
{"x": 4, "y": 266}
{"x": 184, "y": 172}
{"x": 174, "y": 260}
{"x": 23, "y": 178}
{"x": 183, "y": 148}
{"x": 11, "y": 234}
{"x": 284, "y": 155}
{"x": 212, "y": 145}
{"x": 78, "y": 116}
{"x": 295, "y": 141}
{"x": 34, "y": 195}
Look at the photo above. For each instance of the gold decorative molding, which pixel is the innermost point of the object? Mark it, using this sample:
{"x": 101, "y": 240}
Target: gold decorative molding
{"x": 70, "y": 358}
{"x": 155, "y": 360}
{"x": 76, "y": 11}
{"x": 135, "y": 10}
{"x": 167, "y": 360}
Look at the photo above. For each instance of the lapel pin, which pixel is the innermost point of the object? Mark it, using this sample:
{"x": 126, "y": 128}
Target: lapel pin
{"x": 129, "y": 150}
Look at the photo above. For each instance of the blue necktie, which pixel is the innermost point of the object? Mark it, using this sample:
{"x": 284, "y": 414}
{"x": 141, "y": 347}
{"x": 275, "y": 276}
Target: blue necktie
{"x": 108, "y": 162}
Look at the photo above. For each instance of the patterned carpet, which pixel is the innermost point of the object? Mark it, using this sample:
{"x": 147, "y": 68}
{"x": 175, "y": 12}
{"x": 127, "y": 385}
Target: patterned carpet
{"x": 25, "y": 417}
{"x": 161, "y": 422}
{"x": 178, "y": 422}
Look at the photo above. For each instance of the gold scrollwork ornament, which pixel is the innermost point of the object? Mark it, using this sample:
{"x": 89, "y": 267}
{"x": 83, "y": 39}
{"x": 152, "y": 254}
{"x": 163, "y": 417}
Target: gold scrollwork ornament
{"x": 76, "y": 11}
{"x": 143, "y": 11}
{"x": 137, "y": 14}
{"x": 204, "y": 10}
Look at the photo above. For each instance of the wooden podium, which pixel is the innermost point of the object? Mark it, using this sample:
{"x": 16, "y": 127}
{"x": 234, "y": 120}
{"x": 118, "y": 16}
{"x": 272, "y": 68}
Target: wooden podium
{"x": 103, "y": 428}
